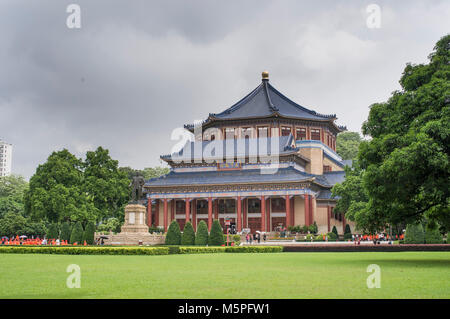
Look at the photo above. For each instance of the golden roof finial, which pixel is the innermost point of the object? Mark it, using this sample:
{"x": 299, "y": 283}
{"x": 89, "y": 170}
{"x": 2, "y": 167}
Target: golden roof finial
{"x": 265, "y": 75}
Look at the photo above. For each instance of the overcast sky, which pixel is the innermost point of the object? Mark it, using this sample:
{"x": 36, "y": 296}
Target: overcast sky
{"x": 136, "y": 70}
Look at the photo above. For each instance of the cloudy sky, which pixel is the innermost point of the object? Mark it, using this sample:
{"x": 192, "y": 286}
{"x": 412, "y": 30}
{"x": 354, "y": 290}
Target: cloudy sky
{"x": 136, "y": 70}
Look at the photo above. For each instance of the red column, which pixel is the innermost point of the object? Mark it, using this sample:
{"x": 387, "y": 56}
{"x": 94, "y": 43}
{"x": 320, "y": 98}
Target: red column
{"x": 216, "y": 209}
{"x": 311, "y": 209}
{"x": 293, "y": 211}
{"x": 263, "y": 213}
{"x": 194, "y": 214}
{"x": 288, "y": 211}
{"x": 149, "y": 212}
{"x": 328, "y": 218}
{"x": 172, "y": 213}
{"x": 157, "y": 213}
{"x": 209, "y": 212}
{"x": 268, "y": 211}
{"x": 239, "y": 214}
{"x": 165, "y": 215}
{"x": 187, "y": 209}
{"x": 307, "y": 213}
{"x": 245, "y": 213}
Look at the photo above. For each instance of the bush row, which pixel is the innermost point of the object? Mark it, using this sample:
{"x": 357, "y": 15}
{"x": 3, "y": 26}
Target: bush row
{"x": 138, "y": 250}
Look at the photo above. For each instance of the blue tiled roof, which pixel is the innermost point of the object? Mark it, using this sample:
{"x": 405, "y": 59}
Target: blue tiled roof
{"x": 266, "y": 101}
{"x": 334, "y": 177}
{"x": 231, "y": 177}
{"x": 217, "y": 149}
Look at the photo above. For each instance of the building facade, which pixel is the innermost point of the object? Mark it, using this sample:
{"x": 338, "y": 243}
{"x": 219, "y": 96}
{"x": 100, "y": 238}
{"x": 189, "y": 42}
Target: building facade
{"x": 5, "y": 158}
{"x": 264, "y": 164}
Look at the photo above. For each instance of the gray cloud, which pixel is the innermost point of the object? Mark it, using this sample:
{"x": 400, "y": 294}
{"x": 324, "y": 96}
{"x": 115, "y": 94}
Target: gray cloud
{"x": 136, "y": 70}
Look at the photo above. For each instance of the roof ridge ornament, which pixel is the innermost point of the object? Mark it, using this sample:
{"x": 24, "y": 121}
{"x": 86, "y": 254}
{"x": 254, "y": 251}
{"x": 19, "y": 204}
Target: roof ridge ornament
{"x": 265, "y": 76}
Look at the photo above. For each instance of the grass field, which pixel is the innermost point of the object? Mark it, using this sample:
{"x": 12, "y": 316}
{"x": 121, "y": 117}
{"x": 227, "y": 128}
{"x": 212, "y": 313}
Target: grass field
{"x": 279, "y": 275}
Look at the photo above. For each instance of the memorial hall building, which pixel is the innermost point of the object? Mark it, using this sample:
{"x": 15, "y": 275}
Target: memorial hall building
{"x": 263, "y": 164}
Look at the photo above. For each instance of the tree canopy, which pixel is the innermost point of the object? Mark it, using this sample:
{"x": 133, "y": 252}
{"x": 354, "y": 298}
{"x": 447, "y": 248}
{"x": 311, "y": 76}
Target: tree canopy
{"x": 347, "y": 145}
{"x": 12, "y": 190}
{"x": 404, "y": 167}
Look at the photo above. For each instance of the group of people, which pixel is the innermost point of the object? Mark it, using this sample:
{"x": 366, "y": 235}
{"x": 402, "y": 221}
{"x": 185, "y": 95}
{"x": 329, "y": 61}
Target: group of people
{"x": 376, "y": 239}
{"x": 35, "y": 241}
{"x": 250, "y": 238}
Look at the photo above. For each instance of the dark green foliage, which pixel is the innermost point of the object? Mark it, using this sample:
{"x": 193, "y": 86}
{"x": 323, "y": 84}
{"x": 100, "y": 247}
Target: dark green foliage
{"x": 347, "y": 144}
{"x": 313, "y": 228}
{"x": 77, "y": 234}
{"x": 433, "y": 236}
{"x": 52, "y": 232}
{"x": 334, "y": 230}
{"x": 332, "y": 236}
{"x": 88, "y": 235}
{"x": 188, "y": 236}
{"x": 66, "y": 230}
{"x": 12, "y": 189}
{"x": 201, "y": 238}
{"x": 216, "y": 234}
{"x": 414, "y": 234}
{"x": 173, "y": 236}
{"x": 347, "y": 232}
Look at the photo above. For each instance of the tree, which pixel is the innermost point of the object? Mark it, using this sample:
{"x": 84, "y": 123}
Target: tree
{"x": 53, "y": 231}
{"x": 414, "y": 234}
{"x": 334, "y": 230}
{"x": 12, "y": 190}
{"x": 347, "y": 145}
{"x": 216, "y": 234}
{"x": 77, "y": 234}
{"x": 147, "y": 173}
{"x": 347, "y": 232}
{"x": 201, "y": 237}
{"x": 432, "y": 235}
{"x": 406, "y": 163}
{"x": 88, "y": 235}
{"x": 65, "y": 231}
{"x": 55, "y": 193}
{"x": 173, "y": 236}
{"x": 12, "y": 224}
{"x": 188, "y": 236}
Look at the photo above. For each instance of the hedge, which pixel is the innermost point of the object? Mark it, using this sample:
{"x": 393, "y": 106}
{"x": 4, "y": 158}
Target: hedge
{"x": 65, "y": 250}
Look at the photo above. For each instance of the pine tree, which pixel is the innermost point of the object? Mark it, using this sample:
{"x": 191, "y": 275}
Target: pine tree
{"x": 65, "y": 231}
{"x": 173, "y": 236}
{"x": 201, "y": 237}
{"x": 88, "y": 235}
{"x": 414, "y": 234}
{"x": 347, "y": 232}
{"x": 188, "y": 236}
{"x": 334, "y": 230}
{"x": 77, "y": 234}
{"x": 216, "y": 235}
{"x": 52, "y": 232}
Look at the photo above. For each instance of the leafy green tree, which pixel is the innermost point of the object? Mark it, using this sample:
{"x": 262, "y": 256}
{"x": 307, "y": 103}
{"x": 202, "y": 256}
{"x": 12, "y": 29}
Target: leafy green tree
{"x": 201, "y": 237}
{"x": 12, "y": 190}
{"x": 147, "y": 173}
{"x": 77, "y": 234}
{"x": 347, "y": 145}
{"x": 433, "y": 236}
{"x": 105, "y": 183}
{"x": 216, "y": 234}
{"x": 414, "y": 234}
{"x": 65, "y": 231}
{"x": 188, "y": 236}
{"x": 53, "y": 231}
{"x": 406, "y": 162}
{"x": 88, "y": 235}
{"x": 55, "y": 193}
{"x": 173, "y": 236}
{"x": 111, "y": 224}
{"x": 12, "y": 224}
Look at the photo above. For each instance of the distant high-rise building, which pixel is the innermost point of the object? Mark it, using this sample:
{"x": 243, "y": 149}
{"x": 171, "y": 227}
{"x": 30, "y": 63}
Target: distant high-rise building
{"x": 5, "y": 158}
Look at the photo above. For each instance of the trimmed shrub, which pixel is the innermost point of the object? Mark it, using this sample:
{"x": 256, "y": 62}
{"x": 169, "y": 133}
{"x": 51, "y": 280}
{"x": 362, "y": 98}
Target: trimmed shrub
{"x": 216, "y": 235}
{"x": 173, "y": 236}
{"x": 77, "y": 234}
{"x": 52, "y": 232}
{"x": 347, "y": 232}
{"x": 433, "y": 236}
{"x": 201, "y": 238}
{"x": 188, "y": 236}
{"x": 313, "y": 229}
{"x": 65, "y": 231}
{"x": 332, "y": 236}
{"x": 88, "y": 235}
{"x": 414, "y": 234}
{"x": 334, "y": 230}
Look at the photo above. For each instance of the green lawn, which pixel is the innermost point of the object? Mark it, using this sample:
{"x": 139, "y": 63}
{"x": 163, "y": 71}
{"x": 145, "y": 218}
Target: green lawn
{"x": 278, "y": 275}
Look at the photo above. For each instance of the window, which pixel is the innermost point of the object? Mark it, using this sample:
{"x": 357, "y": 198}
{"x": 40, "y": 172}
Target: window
{"x": 285, "y": 131}
{"x": 213, "y": 137}
{"x": 278, "y": 205}
{"x": 315, "y": 134}
{"x": 327, "y": 168}
{"x": 301, "y": 134}
{"x": 263, "y": 132}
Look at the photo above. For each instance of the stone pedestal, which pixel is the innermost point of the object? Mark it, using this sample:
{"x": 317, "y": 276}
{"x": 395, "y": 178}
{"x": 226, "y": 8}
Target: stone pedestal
{"x": 134, "y": 229}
